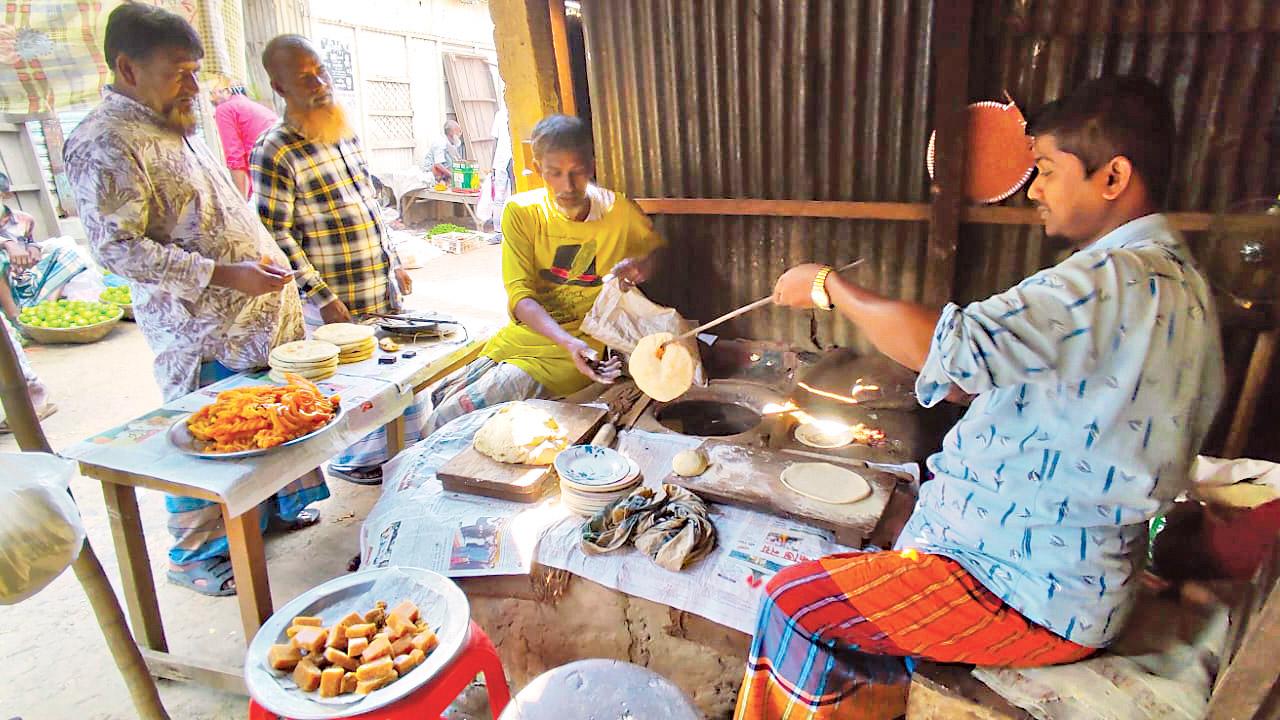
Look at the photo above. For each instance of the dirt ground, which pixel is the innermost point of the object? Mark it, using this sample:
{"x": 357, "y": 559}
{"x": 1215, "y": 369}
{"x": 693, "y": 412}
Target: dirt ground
{"x": 65, "y": 670}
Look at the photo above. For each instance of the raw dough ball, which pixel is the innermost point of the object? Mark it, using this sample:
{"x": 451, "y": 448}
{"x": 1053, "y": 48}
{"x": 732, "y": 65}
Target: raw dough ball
{"x": 689, "y": 463}
{"x": 662, "y": 378}
{"x": 826, "y": 482}
{"x": 521, "y": 433}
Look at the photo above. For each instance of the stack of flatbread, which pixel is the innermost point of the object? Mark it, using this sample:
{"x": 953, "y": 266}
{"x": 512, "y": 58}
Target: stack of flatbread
{"x": 355, "y": 342}
{"x": 311, "y": 359}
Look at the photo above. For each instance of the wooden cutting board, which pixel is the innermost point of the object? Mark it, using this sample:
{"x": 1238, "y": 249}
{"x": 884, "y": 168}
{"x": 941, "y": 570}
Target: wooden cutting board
{"x": 471, "y": 472}
{"x": 751, "y": 477}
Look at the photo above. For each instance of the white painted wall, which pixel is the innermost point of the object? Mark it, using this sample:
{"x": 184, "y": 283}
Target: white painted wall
{"x": 401, "y": 41}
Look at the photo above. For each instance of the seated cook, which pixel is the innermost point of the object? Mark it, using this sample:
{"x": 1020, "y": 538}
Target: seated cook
{"x": 1095, "y": 382}
{"x": 555, "y": 242}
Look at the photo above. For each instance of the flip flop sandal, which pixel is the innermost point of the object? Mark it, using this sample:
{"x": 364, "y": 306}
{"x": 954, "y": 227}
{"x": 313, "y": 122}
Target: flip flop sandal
{"x": 44, "y": 412}
{"x": 305, "y": 519}
{"x": 359, "y": 476}
{"x": 215, "y": 573}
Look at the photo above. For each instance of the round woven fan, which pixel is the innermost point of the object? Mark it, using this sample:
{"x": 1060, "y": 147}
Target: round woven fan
{"x": 998, "y": 158}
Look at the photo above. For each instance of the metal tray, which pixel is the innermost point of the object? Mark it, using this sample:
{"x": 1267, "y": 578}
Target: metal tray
{"x": 423, "y": 324}
{"x": 445, "y": 609}
{"x": 181, "y": 438}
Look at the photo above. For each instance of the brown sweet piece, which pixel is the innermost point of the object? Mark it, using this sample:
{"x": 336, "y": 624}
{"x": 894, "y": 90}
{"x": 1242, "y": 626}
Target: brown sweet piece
{"x": 307, "y": 675}
{"x": 349, "y": 683}
{"x": 337, "y": 637}
{"x": 351, "y": 618}
{"x": 405, "y": 663}
{"x": 283, "y": 657}
{"x": 402, "y": 646}
{"x": 426, "y": 641}
{"x": 398, "y": 626}
{"x": 341, "y": 659}
{"x": 376, "y": 669}
{"x": 310, "y": 639}
{"x": 380, "y": 647}
{"x": 331, "y": 682}
{"x": 356, "y": 646}
{"x": 375, "y": 616}
{"x": 293, "y": 630}
{"x": 308, "y": 620}
{"x": 364, "y": 687}
{"x": 406, "y": 609}
{"x": 363, "y": 630}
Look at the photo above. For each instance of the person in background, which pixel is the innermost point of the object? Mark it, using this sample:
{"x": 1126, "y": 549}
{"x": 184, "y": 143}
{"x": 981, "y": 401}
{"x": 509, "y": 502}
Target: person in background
{"x": 36, "y": 390}
{"x": 28, "y": 274}
{"x": 1096, "y": 381}
{"x": 316, "y": 197}
{"x": 241, "y": 121}
{"x": 556, "y": 241}
{"x": 213, "y": 293}
{"x": 440, "y": 158}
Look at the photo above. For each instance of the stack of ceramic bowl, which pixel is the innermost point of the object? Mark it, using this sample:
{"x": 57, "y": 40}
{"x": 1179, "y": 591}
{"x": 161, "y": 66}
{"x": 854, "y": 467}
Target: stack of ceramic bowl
{"x": 355, "y": 342}
{"x": 592, "y": 477}
{"x": 311, "y": 359}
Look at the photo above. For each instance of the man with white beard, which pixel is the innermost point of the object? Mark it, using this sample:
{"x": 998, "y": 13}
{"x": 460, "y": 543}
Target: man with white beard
{"x": 316, "y": 197}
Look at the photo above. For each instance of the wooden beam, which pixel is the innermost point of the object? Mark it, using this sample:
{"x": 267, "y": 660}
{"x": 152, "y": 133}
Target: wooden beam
{"x": 952, "y": 31}
{"x": 522, "y": 36}
{"x": 564, "y": 70}
{"x": 183, "y": 669}
{"x": 1255, "y": 379}
{"x": 900, "y": 211}
{"x": 135, "y": 565}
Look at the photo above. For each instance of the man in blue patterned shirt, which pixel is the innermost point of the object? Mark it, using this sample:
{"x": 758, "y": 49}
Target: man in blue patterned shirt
{"x": 1093, "y": 384}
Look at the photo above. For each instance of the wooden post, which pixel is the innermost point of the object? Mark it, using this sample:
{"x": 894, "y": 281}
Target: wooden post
{"x": 1264, "y": 352}
{"x": 21, "y": 416}
{"x": 564, "y": 70}
{"x": 952, "y": 34}
{"x": 527, "y": 62}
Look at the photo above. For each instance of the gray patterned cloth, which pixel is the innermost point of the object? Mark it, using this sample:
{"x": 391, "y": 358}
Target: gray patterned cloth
{"x": 162, "y": 212}
{"x": 670, "y": 525}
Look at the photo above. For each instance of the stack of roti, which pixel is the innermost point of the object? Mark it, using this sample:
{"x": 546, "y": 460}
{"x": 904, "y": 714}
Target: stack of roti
{"x": 355, "y": 342}
{"x": 312, "y": 359}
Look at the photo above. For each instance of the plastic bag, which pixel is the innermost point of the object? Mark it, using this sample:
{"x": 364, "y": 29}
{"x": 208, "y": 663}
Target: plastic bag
{"x": 40, "y": 529}
{"x": 619, "y": 319}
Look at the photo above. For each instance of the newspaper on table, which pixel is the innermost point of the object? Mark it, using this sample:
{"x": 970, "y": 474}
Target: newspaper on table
{"x": 141, "y": 446}
{"x": 406, "y": 372}
{"x": 416, "y": 522}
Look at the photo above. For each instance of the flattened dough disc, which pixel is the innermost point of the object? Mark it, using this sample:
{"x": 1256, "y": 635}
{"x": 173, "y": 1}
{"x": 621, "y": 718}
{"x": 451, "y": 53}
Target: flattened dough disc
{"x": 826, "y": 482}
{"x": 661, "y": 378}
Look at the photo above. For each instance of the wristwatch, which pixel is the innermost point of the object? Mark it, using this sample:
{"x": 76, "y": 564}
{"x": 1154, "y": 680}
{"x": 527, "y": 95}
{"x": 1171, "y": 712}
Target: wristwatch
{"x": 818, "y": 293}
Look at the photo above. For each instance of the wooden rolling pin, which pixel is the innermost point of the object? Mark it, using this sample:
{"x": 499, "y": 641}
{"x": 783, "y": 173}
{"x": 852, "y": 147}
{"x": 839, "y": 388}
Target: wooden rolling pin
{"x": 742, "y": 311}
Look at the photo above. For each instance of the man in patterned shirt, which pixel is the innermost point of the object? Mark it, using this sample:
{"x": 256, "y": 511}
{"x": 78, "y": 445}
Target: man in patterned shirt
{"x": 1094, "y": 383}
{"x": 212, "y": 292}
{"x": 315, "y": 195}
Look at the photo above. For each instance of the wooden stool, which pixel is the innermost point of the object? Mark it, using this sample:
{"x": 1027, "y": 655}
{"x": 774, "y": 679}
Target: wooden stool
{"x": 600, "y": 688}
{"x": 477, "y": 657}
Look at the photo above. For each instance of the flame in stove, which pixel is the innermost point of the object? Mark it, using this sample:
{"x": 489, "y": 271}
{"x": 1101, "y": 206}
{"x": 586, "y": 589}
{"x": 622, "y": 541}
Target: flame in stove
{"x": 851, "y": 399}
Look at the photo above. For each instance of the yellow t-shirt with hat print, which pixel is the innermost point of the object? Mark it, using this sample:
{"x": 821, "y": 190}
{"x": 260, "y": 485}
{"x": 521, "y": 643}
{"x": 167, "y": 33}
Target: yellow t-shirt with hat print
{"x": 561, "y": 263}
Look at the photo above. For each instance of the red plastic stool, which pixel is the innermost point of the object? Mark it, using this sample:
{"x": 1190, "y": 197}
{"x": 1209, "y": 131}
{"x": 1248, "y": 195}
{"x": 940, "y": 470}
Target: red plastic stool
{"x": 477, "y": 657}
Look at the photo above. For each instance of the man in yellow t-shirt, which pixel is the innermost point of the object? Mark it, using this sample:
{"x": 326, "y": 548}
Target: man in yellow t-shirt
{"x": 558, "y": 243}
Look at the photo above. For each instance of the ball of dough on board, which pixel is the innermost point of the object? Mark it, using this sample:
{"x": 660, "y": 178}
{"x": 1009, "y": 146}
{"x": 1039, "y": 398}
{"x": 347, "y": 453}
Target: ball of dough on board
{"x": 662, "y": 378}
{"x": 521, "y": 433}
{"x": 689, "y": 463}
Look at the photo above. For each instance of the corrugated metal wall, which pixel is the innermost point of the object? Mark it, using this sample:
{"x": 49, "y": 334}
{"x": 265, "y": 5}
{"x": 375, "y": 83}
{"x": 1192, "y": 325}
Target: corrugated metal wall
{"x": 830, "y": 100}
{"x": 789, "y": 99}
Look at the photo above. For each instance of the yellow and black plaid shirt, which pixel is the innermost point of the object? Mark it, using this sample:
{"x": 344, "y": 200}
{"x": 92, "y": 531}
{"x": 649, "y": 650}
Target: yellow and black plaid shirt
{"x": 319, "y": 203}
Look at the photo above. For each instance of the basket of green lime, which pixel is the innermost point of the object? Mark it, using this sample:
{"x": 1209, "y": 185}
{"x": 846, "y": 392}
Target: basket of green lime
{"x": 69, "y": 321}
{"x": 121, "y": 296}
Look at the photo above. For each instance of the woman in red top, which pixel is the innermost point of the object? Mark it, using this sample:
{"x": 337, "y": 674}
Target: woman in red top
{"x": 241, "y": 122}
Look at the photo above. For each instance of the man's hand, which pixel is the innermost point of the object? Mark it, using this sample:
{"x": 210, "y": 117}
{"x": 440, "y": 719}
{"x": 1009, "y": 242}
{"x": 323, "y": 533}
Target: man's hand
{"x": 335, "y": 312}
{"x": 404, "y": 281}
{"x": 585, "y": 359}
{"x": 795, "y": 287}
{"x": 251, "y": 277}
{"x": 632, "y": 271}
{"x": 21, "y": 255}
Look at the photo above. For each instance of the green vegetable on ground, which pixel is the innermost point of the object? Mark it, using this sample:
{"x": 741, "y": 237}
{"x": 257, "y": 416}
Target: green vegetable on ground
{"x": 63, "y": 314}
{"x": 443, "y": 228}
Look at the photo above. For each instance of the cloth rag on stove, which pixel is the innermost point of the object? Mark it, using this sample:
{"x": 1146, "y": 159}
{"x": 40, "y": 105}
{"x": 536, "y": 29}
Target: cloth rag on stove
{"x": 670, "y": 525}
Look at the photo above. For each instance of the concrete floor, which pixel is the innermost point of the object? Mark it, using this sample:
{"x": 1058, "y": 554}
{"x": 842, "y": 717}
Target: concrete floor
{"x": 59, "y": 666}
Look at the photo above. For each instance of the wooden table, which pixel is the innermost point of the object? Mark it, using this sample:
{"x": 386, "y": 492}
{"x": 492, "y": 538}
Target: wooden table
{"x": 240, "y": 513}
{"x": 468, "y": 201}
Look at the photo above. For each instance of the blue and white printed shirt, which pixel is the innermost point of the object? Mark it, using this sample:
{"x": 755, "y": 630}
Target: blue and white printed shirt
{"x": 1096, "y": 381}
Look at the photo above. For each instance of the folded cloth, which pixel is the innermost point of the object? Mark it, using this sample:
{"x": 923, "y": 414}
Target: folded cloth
{"x": 670, "y": 525}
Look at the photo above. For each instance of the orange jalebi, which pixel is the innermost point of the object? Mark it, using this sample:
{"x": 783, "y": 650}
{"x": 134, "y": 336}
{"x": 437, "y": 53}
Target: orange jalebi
{"x": 262, "y": 416}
